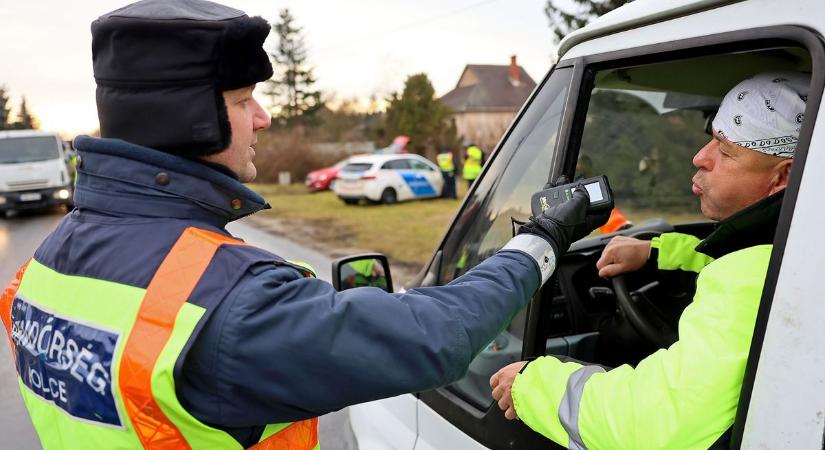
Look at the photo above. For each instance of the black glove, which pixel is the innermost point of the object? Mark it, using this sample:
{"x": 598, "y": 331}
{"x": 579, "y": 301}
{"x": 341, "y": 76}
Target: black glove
{"x": 566, "y": 223}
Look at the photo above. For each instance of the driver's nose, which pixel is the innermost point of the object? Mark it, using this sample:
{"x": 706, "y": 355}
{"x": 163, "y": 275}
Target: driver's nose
{"x": 704, "y": 157}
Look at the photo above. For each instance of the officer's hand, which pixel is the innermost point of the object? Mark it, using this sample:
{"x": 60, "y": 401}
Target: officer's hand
{"x": 623, "y": 254}
{"x": 502, "y": 383}
{"x": 563, "y": 224}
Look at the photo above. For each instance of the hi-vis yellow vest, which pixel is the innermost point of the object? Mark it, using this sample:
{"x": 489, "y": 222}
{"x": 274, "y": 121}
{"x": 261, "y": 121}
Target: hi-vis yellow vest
{"x": 95, "y": 358}
{"x": 472, "y": 165}
{"x": 445, "y": 162}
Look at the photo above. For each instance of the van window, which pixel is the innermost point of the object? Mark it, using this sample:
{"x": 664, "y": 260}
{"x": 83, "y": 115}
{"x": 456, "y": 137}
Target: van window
{"x": 518, "y": 170}
{"x": 29, "y": 149}
{"x": 485, "y": 224}
{"x": 645, "y": 123}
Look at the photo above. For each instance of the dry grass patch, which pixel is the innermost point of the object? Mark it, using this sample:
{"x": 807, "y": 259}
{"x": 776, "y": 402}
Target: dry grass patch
{"x": 406, "y": 232}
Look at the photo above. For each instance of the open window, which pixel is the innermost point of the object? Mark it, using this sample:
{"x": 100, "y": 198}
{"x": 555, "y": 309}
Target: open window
{"x": 639, "y": 117}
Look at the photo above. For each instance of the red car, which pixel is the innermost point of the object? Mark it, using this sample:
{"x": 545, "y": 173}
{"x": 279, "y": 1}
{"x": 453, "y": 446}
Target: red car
{"x": 323, "y": 179}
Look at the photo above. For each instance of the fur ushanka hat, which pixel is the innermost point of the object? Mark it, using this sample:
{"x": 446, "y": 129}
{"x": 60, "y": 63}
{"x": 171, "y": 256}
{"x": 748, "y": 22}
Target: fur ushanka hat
{"x": 161, "y": 67}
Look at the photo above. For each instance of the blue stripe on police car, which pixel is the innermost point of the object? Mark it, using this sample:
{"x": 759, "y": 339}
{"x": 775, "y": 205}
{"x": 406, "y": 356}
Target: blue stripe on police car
{"x": 419, "y": 184}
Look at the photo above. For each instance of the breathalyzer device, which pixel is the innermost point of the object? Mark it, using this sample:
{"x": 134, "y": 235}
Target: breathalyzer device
{"x": 601, "y": 197}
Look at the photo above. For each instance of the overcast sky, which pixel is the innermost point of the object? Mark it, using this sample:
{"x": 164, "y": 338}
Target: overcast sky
{"x": 358, "y": 47}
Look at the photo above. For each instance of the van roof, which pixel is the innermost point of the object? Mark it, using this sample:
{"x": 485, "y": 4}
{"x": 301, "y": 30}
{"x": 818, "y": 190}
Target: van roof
{"x": 634, "y": 15}
{"x": 8, "y": 134}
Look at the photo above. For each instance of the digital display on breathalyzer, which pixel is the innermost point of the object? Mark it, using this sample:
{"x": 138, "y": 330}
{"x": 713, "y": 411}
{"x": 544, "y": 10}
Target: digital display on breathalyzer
{"x": 595, "y": 192}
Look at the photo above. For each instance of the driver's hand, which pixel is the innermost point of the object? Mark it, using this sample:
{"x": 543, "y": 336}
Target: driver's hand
{"x": 623, "y": 254}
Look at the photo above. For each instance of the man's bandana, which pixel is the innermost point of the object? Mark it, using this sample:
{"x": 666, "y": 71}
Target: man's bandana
{"x": 765, "y": 112}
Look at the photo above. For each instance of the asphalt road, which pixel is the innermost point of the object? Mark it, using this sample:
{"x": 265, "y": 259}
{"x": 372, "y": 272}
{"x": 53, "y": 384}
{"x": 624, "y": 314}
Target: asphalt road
{"x": 19, "y": 237}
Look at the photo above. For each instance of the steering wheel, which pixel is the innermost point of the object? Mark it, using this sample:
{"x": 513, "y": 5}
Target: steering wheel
{"x": 648, "y": 322}
{"x": 662, "y": 335}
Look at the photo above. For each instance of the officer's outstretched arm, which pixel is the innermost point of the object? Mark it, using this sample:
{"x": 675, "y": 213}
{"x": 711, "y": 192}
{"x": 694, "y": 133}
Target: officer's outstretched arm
{"x": 285, "y": 348}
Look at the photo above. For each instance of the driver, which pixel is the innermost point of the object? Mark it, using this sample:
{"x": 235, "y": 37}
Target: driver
{"x": 684, "y": 396}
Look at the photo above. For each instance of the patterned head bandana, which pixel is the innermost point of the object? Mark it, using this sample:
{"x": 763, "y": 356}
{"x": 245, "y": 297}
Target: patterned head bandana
{"x": 765, "y": 112}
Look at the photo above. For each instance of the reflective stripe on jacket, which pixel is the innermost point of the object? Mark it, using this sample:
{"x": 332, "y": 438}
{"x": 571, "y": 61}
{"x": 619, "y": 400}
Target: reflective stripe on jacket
{"x": 684, "y": 397}
{"x": 99, "y": 374}
{"x": 445, "y": 162}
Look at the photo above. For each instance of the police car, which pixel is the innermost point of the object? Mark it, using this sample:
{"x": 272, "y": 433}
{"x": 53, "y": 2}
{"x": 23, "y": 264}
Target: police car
{"x": 388, "y": 179}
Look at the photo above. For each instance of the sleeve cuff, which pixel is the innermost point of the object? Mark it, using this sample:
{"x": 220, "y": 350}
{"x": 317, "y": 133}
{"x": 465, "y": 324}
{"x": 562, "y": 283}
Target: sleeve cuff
{"x": 538, "y": 249}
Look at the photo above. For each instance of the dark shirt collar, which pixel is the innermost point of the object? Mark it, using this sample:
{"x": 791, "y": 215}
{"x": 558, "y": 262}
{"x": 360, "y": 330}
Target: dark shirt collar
{"x": 754, "y": 225}
{"x": 123, "y": 179}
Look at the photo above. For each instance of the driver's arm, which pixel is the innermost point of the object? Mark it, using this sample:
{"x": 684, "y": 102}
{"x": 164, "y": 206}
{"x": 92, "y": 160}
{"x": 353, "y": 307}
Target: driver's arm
{"x": 677, "y": 251}
{"x": 681, "y": 397}
{"x": 670, "y": 251}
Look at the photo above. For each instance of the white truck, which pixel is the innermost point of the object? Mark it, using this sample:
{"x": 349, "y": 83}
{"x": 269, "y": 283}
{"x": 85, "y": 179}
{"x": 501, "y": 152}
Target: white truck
{"x": 630, "y": 96}
{"x": 34, "y": 171}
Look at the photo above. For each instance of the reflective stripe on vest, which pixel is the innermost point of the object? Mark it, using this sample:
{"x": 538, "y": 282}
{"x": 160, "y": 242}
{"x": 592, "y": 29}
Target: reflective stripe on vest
{"x": 445, "y": 162}
{"x": 156, "y": 323}
{"x": 569, "y": 407}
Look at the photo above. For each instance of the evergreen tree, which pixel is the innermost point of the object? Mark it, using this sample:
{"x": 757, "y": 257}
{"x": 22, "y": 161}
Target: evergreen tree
{"x": 563, "y": 21}
{"x": 418, "y": 114}
{"x": 25, "y": 119}
{"x": 4, "y": 108}
{"x": 291, "y": 88}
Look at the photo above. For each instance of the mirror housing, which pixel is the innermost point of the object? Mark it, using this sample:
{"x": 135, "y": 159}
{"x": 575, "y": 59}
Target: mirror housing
{"x": 365, "y": 269}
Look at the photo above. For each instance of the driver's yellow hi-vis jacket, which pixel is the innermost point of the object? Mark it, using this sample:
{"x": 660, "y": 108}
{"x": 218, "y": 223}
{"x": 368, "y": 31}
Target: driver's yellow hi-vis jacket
{"x": 684, "y": 397}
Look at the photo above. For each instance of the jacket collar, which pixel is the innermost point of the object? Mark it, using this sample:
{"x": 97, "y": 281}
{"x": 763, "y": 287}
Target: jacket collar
{"x": 754, "y": 225}
{"x": 123, "y": 179}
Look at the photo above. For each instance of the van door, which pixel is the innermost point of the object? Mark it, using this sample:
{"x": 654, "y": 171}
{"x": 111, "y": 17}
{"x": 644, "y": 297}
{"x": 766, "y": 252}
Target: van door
{"x": 638, "y": 116}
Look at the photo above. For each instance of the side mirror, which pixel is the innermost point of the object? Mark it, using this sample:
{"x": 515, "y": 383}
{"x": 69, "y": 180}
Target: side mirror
{"x": 367, "y": 269}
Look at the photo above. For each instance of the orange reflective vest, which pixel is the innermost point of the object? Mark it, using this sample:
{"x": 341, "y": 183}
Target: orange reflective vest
{"x": 615, "y": 223}
{"x": 152, "y": 325}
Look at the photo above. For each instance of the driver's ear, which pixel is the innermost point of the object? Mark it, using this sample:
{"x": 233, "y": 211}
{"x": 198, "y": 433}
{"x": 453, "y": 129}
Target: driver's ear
{"x": 781, "y": 175}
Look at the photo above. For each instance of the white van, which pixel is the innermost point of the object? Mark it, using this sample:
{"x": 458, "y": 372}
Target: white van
{"x": 630, "y": 97}
{"x": 33, "y": 171}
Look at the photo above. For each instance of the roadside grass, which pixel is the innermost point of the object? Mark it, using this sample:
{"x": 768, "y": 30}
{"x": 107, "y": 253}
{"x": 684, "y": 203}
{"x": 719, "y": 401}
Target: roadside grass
{"x": 406, "y": 232}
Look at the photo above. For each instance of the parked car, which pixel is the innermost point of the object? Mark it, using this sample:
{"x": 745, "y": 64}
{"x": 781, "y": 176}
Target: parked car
{"x": 324, "y": 178}
{"x": 388, "y": 178}
{"x": 638, "y": 84}
{"x": 33, "y": 171}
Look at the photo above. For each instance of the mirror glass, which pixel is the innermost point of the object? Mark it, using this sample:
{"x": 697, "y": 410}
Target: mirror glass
{"x": 363, "y": 272}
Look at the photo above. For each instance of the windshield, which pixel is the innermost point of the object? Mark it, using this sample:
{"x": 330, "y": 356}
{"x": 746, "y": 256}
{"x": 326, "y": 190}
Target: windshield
{"x": 30, "y": 149}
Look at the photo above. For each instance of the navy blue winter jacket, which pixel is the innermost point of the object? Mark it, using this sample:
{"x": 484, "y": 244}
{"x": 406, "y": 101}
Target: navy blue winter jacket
{"x": 274, "y": 346}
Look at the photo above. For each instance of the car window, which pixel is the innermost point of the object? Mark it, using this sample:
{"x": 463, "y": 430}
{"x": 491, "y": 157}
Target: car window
{"x": 397, "y": 164}
{"x": 357, "y": 167}
{"x": 420, "y": 165}
{"x": 515, "y": 172}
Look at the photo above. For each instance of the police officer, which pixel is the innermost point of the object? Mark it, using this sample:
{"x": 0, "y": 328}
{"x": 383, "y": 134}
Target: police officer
{"x": 473, "y": 162}
{"x": 141, "y": 322}
{"x": 685, "y": 396}
{"x": 446, "y": 162}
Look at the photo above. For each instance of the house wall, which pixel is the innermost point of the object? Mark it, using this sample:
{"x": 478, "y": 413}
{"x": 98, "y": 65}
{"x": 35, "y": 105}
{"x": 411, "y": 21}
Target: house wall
{"x": 483, "y": 128}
